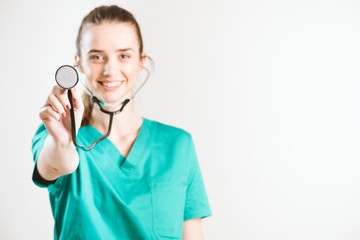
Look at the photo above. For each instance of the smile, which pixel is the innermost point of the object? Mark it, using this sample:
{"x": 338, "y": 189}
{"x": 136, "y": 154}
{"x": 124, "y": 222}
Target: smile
{"x": 110, "y": 84}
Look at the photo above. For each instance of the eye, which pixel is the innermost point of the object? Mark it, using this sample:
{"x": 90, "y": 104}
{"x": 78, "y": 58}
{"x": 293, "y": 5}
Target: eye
{"x": 124, "y": 56}
{"x": 96, "y": 58}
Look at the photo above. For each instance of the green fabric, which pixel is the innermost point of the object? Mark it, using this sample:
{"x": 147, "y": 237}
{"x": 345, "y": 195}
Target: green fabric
{"x": 148, "y": 195}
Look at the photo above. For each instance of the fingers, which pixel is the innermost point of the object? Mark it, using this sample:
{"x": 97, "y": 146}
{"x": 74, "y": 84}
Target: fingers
{"x": 48, "y": 111}
{"x": 56, "y": 104}
{"x": 77, "y": 101}
{"x": 61, "y": 95}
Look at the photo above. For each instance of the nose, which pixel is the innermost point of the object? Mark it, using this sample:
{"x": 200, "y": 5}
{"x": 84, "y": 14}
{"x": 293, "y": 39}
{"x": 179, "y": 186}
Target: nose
{"x": 111, "y": 68}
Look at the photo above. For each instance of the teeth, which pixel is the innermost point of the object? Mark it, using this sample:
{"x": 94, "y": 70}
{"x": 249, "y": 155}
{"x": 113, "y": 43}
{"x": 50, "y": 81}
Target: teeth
{"x": 110, "y": 84}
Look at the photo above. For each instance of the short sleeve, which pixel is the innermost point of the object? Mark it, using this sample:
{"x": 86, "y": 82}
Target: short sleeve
{"x": 37, "y": 145}
{"x": 197, "y": 204}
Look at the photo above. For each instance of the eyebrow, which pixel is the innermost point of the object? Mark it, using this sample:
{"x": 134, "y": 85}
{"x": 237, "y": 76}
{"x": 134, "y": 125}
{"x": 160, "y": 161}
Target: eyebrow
{"x": 118, "y": 50}
{"x": 125, "y": 49}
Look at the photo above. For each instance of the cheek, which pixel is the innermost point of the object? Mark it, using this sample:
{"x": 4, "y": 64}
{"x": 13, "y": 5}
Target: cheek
{"x": 86, "y": 68}
{"x": 130, "y": 70}
{"x": 93, "y": 71}
{"x": 87, "y": 72}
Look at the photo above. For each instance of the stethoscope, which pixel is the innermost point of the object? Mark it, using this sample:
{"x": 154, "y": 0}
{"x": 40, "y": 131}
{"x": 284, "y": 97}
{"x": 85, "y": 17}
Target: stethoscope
{"x": 67, "y": 77}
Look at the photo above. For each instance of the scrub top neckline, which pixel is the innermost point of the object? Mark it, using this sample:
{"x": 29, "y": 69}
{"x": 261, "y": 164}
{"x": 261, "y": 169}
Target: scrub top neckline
{"x": 142, "y": 140}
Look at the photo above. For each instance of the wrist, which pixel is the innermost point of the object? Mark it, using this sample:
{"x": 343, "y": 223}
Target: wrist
{"x": 62, "y": 143}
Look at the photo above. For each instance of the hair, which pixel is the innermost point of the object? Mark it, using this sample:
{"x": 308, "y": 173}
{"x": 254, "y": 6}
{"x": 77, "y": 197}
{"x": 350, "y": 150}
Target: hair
{"x": 111, "y": 13}
{"x": 98, "y": 15}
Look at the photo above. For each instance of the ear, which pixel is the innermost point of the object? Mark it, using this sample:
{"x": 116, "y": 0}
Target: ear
{"x": 78, "y": 64}
{"x": 142, "y": 61}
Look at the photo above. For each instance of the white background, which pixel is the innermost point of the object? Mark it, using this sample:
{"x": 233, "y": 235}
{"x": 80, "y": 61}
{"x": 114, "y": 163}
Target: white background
{"x": 268, "y": 89}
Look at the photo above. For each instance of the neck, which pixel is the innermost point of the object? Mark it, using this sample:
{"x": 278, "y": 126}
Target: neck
{"x": 124, "y": 123}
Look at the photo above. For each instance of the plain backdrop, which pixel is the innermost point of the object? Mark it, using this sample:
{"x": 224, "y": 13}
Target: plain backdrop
{"x": 269, "y": 89}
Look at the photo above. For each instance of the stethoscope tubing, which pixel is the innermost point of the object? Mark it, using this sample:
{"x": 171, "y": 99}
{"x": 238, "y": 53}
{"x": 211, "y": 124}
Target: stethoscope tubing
{"x": 99, "y": 104}
{"x": 73, "y": 124}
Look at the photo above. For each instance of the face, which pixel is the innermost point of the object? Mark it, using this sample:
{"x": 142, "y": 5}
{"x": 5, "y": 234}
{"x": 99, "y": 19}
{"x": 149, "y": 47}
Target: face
{"x": 110, "y": 60}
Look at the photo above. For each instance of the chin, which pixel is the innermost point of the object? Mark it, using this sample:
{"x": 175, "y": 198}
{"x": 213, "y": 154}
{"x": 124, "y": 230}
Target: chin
{"x": 114, "y": 97}
{"x": 115, "y": 100}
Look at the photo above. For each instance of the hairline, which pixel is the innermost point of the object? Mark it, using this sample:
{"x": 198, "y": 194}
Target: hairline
{"x": 89, "y": 24}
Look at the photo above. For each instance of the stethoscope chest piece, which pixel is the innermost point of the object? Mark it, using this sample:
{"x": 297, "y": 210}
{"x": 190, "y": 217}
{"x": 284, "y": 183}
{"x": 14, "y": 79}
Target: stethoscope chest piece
{"x": 66, "y": 77}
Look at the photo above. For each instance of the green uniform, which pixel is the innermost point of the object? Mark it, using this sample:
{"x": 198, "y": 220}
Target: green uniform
{"x": 147, "y": 195}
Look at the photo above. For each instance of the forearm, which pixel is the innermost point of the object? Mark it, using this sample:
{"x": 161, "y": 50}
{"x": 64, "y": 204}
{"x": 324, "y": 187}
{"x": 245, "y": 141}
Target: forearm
{"x": 56, "y": 159}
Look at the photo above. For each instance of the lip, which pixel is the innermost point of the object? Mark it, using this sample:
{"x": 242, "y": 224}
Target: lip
{"x": 110, "y": 85}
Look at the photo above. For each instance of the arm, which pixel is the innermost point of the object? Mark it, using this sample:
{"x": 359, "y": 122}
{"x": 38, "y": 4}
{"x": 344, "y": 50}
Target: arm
{"x": 56, "y": 159}
{"x": 192, "y": 229}
{"x": 59, "y": 155}
{"x": 196, "y": 206}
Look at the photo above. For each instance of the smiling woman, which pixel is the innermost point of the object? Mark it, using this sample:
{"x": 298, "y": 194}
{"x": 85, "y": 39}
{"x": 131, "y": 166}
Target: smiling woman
{"x": 111, "y": 59}
{"x": 143, "y": 181}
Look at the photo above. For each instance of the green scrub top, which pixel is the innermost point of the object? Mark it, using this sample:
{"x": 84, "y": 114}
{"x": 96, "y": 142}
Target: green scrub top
{"x": 147, "y": 195}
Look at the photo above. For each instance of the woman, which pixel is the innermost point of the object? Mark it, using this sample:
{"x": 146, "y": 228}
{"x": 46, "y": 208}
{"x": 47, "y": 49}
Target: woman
{"x": 143, "y": 181}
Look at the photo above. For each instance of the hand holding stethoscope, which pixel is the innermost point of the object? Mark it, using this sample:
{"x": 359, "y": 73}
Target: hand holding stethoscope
{"x": 55, "y": 114}
{"x": 57, "y": 107}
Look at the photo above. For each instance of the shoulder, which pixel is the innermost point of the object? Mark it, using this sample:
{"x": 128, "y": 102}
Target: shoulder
{"x": 40, "y": 133}
{"x": 171, "y": 146}
{"x": 169, "y": 136}
{"x": 41, "y": 129}
{"x": 166, "y": 130}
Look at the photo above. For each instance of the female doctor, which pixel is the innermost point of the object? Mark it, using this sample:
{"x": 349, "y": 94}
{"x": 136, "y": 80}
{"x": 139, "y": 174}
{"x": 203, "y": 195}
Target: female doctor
{"x": 143, "y": 181}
